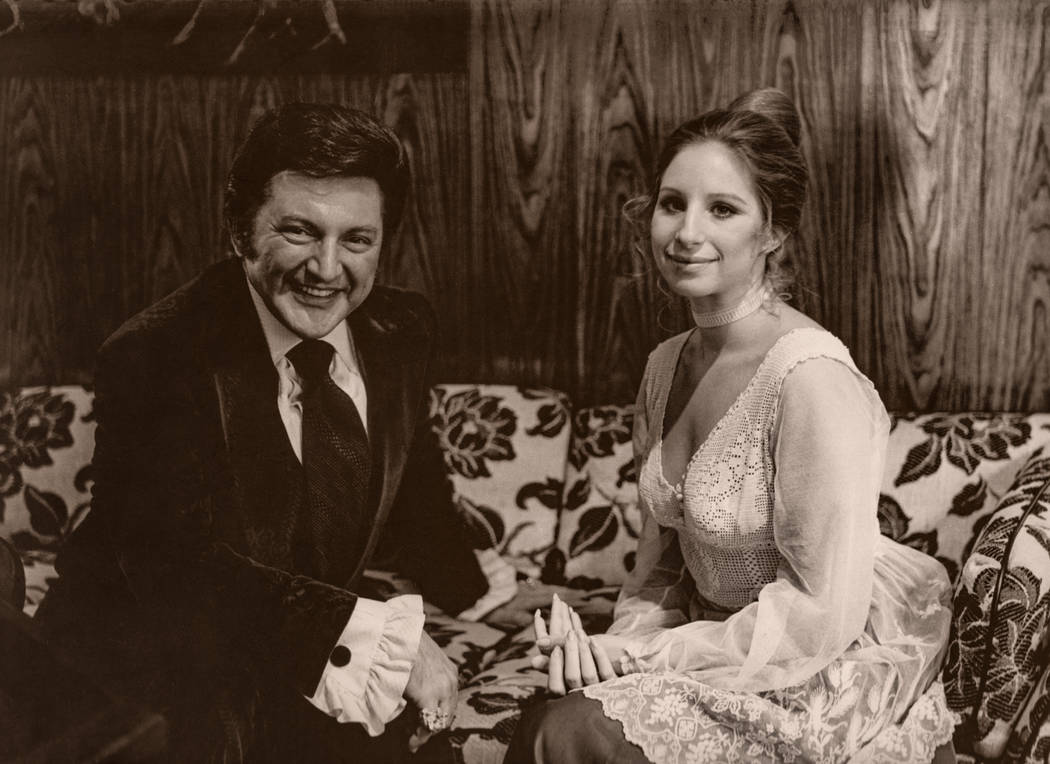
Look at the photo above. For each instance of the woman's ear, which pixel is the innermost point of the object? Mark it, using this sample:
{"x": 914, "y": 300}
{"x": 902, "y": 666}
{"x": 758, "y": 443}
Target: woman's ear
{"x": 774, "y": 237}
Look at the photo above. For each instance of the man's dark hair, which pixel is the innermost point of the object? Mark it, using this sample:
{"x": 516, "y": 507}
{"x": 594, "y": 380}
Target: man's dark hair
{"x": 319, "y": 140}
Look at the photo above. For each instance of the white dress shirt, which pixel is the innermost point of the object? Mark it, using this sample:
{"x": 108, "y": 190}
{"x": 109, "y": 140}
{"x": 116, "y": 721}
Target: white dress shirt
{"x": 382, "y": 637}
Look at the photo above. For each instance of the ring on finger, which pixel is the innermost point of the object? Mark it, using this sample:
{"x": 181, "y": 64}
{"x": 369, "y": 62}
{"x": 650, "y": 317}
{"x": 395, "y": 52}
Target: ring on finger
{"x": 434, "y": 719}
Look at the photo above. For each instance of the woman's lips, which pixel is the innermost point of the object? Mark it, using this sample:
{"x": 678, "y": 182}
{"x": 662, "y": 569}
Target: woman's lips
{"x": 688, "y": 260}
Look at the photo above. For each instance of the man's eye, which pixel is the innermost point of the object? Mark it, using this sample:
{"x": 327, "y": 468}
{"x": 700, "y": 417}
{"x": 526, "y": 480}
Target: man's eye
{"x": 296, "y": 234}
{"x": 359, "y": 242}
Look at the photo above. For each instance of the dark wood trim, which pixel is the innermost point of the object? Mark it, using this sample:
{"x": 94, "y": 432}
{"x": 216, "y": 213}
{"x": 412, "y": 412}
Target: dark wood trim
{"x": 236, "y": 36}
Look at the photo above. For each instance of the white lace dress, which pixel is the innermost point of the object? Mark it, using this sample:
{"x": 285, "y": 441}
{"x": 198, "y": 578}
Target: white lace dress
{"x": 769, "y": 620}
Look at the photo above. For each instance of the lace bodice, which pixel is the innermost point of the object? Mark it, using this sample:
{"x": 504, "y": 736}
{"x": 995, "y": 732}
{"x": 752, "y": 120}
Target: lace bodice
{"x": 723, "y": 506}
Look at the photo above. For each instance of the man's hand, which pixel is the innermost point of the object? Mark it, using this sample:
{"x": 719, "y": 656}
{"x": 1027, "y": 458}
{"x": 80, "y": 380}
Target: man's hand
{"x": 433, "y": 684}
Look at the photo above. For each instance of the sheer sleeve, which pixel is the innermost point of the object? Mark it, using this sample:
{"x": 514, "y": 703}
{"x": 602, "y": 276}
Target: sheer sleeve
{"x": 828, "y": 443}
{"x": 656, "y": 594}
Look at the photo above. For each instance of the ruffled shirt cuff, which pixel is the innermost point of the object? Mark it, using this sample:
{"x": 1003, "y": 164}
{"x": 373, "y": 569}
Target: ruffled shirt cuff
{"x": 365, "y": 677}
{"x": 503, "y": 585}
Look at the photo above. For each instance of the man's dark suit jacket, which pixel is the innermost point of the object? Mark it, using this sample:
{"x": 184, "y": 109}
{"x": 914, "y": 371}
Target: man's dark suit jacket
{"x": 188, "y": 557}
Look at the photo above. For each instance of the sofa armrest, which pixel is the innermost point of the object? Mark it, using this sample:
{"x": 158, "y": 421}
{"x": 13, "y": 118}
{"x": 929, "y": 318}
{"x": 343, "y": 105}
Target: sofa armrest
{"x": 1002, "y": 608}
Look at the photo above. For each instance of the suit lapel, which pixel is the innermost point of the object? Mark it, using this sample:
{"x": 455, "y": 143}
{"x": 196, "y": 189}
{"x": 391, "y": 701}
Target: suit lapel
{"x": 257, "y": 447}
{"x": 383, "y": 353}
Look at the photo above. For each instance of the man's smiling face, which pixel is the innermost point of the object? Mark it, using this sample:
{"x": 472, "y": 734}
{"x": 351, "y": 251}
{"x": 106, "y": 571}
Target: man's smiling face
{"x": 315, "y": 249}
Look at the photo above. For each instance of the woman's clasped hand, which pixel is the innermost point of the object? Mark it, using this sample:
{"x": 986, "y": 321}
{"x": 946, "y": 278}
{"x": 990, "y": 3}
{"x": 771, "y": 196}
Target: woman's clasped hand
{"x": 573, "y": 658}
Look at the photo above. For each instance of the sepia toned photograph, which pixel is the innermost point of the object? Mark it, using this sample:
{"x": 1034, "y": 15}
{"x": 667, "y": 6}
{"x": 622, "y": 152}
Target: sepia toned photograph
{"x": 525, "y": 381}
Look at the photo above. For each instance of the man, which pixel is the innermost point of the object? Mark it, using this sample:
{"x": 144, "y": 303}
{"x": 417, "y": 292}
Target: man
{"x": 258, "y": 430}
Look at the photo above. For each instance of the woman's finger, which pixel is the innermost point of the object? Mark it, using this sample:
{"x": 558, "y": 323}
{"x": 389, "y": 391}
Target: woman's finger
{"x": 543, "y": 640}
{"x": 540, "y": 625}
{"x": 602, "y": 662}
{"x": 556, "y": 672}
{"x": 540, "y": 662}
{"x": 574, "y": 619}
{"x": 565, "y": 620}
{"x": 572, "y": 661}
{"x": 588, "y": 670}
{"x": 558, "y": 626}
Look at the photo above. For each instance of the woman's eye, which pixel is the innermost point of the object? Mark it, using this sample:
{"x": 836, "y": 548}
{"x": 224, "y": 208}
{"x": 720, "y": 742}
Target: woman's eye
{"x": 722, "y": 211}
{"x": 671, "y": 204}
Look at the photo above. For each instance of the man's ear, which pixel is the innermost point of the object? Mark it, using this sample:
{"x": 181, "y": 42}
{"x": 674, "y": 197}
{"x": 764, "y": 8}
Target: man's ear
{"x": 238, "y": 250}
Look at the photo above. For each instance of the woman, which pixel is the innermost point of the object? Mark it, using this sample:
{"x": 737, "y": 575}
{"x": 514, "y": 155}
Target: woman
{"x": 766, "y": 618}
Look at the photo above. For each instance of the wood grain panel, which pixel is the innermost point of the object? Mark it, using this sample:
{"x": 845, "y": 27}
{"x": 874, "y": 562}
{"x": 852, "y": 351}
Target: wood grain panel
{"x": 825, "y": 61}
{"x": 1010, "y": 337}
{"x": 522, "y": 276}
{"x": 32, "y": 276}
{"x": 923, "y": 244}
{"x": 430, "y": 115}
{"x": 932, "y": 92}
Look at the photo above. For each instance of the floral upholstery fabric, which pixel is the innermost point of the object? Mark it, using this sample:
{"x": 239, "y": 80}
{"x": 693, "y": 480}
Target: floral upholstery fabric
{"x": 492, "y": 702}
{"x": 1030, "y": 742}
{"x": 505, "y": 449}
{"x": 600, "y": 519}
{"x": 46, "y": 443}
{"x": 1000, "y": 681}
{"x": 945, "y": 473}
{"x": 469, "y": 645}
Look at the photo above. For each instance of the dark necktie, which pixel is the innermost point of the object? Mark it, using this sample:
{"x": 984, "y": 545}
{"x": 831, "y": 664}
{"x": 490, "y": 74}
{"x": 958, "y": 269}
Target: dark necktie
{"x": 336, "y": 458}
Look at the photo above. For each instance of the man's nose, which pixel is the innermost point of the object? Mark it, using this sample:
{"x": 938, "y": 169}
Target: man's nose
{"x": 325, "y": 265}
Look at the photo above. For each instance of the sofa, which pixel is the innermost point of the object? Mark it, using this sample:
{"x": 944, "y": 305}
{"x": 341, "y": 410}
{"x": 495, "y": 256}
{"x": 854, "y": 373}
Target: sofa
{"x": 553, "y": 490}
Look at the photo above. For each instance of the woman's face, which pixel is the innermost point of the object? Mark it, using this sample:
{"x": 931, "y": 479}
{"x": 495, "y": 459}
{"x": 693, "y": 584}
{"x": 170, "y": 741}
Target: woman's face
{"x": 708, "y": 230}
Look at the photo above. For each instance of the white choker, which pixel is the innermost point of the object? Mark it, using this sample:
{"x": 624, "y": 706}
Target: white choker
{"x": 752, "y": 301}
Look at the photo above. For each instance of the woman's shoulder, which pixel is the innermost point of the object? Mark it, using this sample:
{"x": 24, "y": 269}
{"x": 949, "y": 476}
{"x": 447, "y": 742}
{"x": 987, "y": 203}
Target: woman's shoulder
{"x": 799, "y": 338}
{"x": 812, "y": 363}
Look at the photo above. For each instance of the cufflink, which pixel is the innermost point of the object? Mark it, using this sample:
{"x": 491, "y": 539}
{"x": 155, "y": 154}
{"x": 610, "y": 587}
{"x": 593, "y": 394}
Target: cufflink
{"x": 340, "y": 656}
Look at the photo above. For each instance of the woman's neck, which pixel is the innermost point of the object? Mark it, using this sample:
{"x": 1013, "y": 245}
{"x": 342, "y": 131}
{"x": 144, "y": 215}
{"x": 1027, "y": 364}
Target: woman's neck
{"x": 748, "y": 303}
{"x": 733, "y": 325}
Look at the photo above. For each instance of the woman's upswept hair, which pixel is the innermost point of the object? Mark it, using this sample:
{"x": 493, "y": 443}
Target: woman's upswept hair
{"x": 319, "y": 140}
{"x": 763, "y": 129}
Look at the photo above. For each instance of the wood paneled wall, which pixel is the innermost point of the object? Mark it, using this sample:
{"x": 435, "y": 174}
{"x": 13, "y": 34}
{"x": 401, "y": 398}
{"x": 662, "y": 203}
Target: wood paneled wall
{"x": 924, "y": 244}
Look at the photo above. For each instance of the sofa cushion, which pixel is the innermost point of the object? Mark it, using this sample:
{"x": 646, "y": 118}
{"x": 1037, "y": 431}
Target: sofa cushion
{"x": 505, "y": 449}
{"x": 945, "y": 473}
{"x": 999, "y": 681}
{"x": 600, "y": 518}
